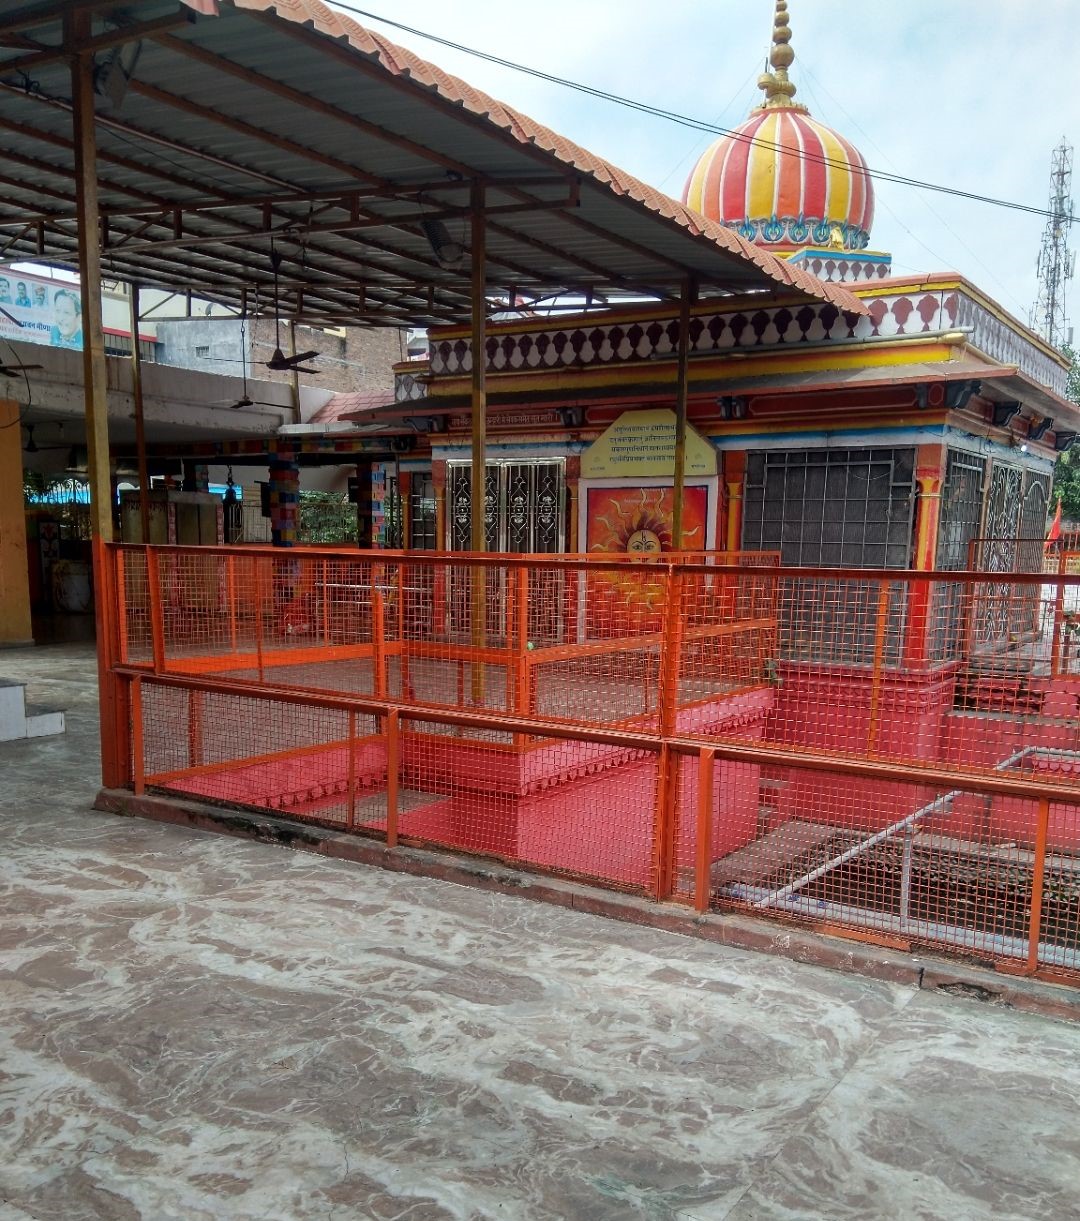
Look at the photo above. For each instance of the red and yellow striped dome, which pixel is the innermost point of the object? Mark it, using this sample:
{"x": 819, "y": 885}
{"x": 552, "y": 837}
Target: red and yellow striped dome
{"x": 782, "y": 179}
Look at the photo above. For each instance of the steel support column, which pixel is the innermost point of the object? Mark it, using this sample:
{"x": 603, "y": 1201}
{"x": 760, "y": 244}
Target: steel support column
{"x": 479, "y": 368}
{"x": 686, "y": 300}
{"x": 140, "y": 419}
{"x": 95, "y": 378}
{"x": 114, "y": 719}
{"x": 479, "y": 432}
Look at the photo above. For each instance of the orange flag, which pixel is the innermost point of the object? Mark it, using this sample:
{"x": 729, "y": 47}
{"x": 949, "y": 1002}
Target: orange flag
{"x": 1055, "y": 528}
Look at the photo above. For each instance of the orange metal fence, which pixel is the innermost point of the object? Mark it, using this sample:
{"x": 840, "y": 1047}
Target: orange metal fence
{"x": 891, "y": 755}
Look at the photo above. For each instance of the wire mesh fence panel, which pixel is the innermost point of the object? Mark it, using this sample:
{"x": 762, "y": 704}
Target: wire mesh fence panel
{"x": 755, "y": 727}
{"x": 568, "y": 806}
{"x": 949, "y": 868}
{"x": 191, "y": 590}
{"x": 1059, "y": 922}
{"x": 318, "y": 764}
{"x": 718, "y": 807}
{"x": 133, "y": 597}
{"x": 867, "y": 665}
{"x": 450, "y": 645}
{"x": 608, "y": 670}
{"x": 722, "y": 649}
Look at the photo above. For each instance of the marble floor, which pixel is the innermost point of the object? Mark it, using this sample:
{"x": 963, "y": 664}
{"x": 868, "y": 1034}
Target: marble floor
{"x": 197, "y": 1028}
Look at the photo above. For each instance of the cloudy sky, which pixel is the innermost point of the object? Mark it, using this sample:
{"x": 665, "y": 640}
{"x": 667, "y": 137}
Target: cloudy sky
{"x": 970, "y": 94}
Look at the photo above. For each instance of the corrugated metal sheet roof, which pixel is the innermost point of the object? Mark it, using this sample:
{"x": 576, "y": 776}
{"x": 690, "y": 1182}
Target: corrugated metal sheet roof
{"x": 251, "y": 117}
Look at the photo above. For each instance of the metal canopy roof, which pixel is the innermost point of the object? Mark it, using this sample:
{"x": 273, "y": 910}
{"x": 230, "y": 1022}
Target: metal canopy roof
{"x": 247, "y": 122}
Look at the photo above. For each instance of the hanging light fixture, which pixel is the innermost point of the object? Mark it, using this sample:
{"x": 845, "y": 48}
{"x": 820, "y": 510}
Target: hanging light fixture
{"x": 233, "y": 511}
{"x": 449, "y": 252}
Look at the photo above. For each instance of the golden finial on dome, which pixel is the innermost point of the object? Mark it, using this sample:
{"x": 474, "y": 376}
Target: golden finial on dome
{"x": 777, "y": 88}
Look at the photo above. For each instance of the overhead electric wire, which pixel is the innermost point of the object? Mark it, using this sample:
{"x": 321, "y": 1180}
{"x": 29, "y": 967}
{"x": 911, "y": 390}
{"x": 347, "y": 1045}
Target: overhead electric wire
{"x": 813, "y": 81}
{"x": 687, "y": 121}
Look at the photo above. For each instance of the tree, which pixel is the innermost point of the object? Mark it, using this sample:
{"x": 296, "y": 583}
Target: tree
{"x": 1067, "y": 471}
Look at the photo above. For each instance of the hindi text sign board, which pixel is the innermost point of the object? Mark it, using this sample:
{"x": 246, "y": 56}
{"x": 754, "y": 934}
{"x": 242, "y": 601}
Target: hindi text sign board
{"x": 641, "y": 445}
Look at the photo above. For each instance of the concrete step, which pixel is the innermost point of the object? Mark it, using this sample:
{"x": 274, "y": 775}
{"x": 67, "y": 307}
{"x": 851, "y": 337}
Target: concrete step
{"x": 43, "y": 721}
{"x": 12, "y": 710}
{"x": 19, "y": 720}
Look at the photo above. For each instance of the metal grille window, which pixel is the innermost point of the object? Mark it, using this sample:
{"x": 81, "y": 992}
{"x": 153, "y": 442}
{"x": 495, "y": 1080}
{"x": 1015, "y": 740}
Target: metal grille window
{"x": 845, "y": 508}
{"x": 422, "y": 512}
{"x": 1033, "y": 507}
{"x": 1015, "y": 525}
{"x": 961, "y": 508}
{"x": 523, "y": 506}
{"x": 961, "y": 515}
{"x": 523, "y": 512}
{"x": 833, "y": 508}
{"x": 393, "y": 536}
{"x": 1002, "y": 518}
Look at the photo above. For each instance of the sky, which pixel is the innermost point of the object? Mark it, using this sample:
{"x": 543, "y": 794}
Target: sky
{"x": 969, "y": 94}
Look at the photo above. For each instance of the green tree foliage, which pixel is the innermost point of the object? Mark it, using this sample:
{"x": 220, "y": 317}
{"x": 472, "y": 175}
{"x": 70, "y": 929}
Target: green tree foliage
{"x": 326, "y": 517}
{"x": 1067, "y": 470}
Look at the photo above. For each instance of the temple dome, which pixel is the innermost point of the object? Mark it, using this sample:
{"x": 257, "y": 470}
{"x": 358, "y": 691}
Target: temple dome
{"x": 782, "y": 179}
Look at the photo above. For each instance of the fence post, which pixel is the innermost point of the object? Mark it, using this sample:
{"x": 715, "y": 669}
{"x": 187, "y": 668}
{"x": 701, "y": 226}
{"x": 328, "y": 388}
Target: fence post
{"x": 378, "y": 642}
{"x": 157, "y": 619}
{"x": 260, "y": 604}
{"x": 350, "y": 808}
{"x": 138, "y": 761}
{"x": 670, "y": 660}
{"x": 906, "y": 861}
{"x": 325, "y": 599}
{"x": 663, "y": 818}
{"x": 230, "y": 582}
{"x": 1056, "y": 641}
{"x": 703, "y": 840}
{"x": 1038, "y": 870}
{"x": 404, "y": 621}
{"x": 478, "y": 628}
{"x": 522, "y": 692}
{"x": 879, "y": 661}
{"x": 401, "y": 619}
{"x": 671, "y": 654}
{"x": 113, "y": 706}
{"x": 120, "y": 579}
{"x": 393, "y": 754}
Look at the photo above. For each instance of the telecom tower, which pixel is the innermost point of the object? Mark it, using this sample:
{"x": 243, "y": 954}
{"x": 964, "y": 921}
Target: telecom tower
{"x": 1056, "y": 261}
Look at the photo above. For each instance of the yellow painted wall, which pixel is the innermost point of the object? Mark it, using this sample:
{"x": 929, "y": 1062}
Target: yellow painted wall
{"x": 14, "y": 583}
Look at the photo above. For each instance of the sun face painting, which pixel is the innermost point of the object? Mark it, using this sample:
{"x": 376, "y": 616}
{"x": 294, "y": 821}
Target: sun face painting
{"x": 636, "y": 521}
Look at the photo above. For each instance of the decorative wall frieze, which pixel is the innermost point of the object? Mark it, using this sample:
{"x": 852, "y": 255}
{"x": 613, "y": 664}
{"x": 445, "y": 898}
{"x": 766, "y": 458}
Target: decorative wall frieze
{"x": 742, "y": 328}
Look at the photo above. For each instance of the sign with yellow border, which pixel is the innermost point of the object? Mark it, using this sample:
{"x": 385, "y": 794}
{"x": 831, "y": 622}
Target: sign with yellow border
{"x": 641, "y": 445}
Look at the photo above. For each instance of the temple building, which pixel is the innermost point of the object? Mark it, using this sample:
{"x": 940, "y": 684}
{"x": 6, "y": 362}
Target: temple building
{"x": 891, "y": 440}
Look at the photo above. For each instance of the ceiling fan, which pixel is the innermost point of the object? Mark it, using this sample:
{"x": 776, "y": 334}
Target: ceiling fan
{"x": 32, "y": 447}
{"x": 245, "y": 399}
{"x": 279, "y": 362}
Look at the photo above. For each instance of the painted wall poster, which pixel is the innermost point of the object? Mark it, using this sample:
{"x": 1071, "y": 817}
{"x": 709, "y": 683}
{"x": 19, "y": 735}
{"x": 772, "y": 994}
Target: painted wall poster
{"x": 636, "y": 520}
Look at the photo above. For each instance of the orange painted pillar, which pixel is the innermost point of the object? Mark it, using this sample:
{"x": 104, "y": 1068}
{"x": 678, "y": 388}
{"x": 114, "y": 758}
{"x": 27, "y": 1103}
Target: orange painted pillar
{"x": 573, "y": 507}
{"x": 929, "y": 478}
{"x": 734, "y": 482}
{"x": 14, "y": 575}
